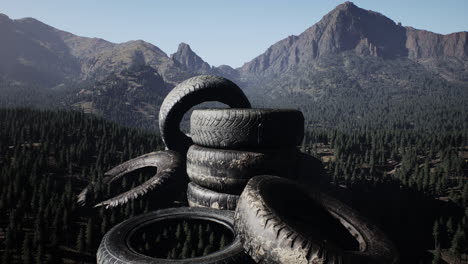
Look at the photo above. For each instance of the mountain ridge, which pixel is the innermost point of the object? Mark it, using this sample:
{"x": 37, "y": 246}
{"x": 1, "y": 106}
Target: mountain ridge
{"x": 368, "y": 33}
{"x": 353, "y": 53}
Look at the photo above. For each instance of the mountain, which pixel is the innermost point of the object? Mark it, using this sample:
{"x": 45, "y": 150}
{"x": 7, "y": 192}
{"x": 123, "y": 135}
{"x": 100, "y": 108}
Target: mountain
{"x": 353, "y": 66}
{"x": 190, "y": 60}
{"x": 356, "y": 66}
{"x": 33, "y": 52}
{"x": 365, "y": 33}
{"x": 130, "y": 97}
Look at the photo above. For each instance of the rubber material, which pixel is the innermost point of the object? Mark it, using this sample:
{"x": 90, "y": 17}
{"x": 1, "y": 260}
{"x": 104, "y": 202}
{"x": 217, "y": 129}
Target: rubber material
{"x": 170, "y": 170}
{"x": 198, "y": 196}
{"x": 228, "y": 171}
{"x": 271, "y": 236}
{"x": 115, "y": 247}
{"x": 247, "y": 128}
{"x": 189, "y": 93}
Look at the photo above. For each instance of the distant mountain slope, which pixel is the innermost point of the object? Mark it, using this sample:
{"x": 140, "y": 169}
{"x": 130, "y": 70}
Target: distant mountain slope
{"x": 32, "y": 51}
{"x": 366, "y": 33}
{"x": 131, "y": 97}
{"x": 339, "y": 71}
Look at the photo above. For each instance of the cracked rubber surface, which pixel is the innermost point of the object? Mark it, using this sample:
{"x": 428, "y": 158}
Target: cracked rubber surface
{"x": 299, "y": 226}
{"x": 191, "y": 92}
{"x": 228, "y": 171}
{"x": 115, "y": 247}
{"x": 247, "y": 128}
{"x": 198, "y": 196}
{"x": 170, "y": 170}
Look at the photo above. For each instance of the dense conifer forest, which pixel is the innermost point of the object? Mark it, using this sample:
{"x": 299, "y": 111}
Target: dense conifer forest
{"x": 45, "y": 159}
{"x": 410, "y": 182}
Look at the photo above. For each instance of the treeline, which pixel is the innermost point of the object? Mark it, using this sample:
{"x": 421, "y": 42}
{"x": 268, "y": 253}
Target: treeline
{"x": 176, "y": 239}
{"x": 46, "y": 158}
{"x": 414, "y": 184}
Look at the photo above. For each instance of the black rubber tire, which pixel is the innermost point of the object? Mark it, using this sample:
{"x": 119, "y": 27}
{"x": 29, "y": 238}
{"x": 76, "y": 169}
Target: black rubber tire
{"x": 198, "y": 196}
{"x": 115, "y": 247}
{"x": 247, "y": 128}
{"x": 228, "y": 171}
{"x": 170, "y": 174}
{"x": 270, "y": 235}
{"x": 191, "y": 92}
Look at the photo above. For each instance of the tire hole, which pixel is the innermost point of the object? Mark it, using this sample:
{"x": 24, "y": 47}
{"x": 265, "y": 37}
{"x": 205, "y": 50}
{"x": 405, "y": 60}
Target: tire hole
{"x": 180, "y": 238}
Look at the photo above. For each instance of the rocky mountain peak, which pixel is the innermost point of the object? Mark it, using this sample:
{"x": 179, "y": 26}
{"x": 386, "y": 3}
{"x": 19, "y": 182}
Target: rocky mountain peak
{"x": 3, "y": 17}
{"x": 190, "y": 60}
{"x": 345, "y": 28}
{"x": 346, "y": 6}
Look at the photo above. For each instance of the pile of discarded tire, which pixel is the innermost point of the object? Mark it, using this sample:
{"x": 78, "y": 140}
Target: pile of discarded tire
{"x": 238, "y": 213}
{"x": 234, "y": 145}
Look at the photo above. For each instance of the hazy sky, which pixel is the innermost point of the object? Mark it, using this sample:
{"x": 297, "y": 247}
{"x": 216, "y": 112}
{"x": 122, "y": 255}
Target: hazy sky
{"x": 221, "y": 32}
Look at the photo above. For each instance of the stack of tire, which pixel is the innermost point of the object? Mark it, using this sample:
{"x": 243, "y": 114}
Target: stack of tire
{"x": 233, "y": 145}
{"x": 276, "y": 220}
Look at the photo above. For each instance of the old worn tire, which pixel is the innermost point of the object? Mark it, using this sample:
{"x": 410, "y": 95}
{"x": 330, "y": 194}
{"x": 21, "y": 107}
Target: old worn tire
{"x": 170, "y": 174}
{"x": 189, "y": 93}
{"x": 247, "y": 128}
{"x": 228, "y": 171}
{"x": 280, "y": 222}
{"x": 115, "y": 247}
{"x": 198, "y": 196}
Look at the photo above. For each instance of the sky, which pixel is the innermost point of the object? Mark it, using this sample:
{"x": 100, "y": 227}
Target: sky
{"x": 221, "y": 32}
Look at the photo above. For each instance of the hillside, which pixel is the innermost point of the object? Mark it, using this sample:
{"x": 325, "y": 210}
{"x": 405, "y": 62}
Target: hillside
{"x": 46, "y": 158}
{"x": 351, "y": 67}
{"x": 406, "y": 182}
{"x": 33, "y": 52}
{"x": 131, "y": 97}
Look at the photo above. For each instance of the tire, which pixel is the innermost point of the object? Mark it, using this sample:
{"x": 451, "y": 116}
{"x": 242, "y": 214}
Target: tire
{"x": 170, "y": 173}
{"x": 228, "y": 171}
{"x": 116, "y": 245}
{"x": 198, "y": 196}
{"x": 280, "y": 222}
{"x": 189, "y": 93}
{"x": 247, "y": 128}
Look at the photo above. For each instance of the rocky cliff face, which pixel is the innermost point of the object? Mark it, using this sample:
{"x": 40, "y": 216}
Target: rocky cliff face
{"x": 190, "y": 61}
{"x": 364, "y": 32}
{"x": 423, "y": 44}
{"x": 347, "y": 27}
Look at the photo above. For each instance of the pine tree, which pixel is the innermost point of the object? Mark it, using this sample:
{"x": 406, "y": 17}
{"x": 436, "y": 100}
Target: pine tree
{"x": 39, "y": 256}
{"x": 222, "y": 242}
{"x": 185, "y": 250}
{"x": 89, "y": 235}
{"x": 211, "y": 239}
{"x": 436, "y": 233}
{"x": 178, "y": 232}
{"x": 458, "y": 242}
{"x": 80, "y": 241}
{"x": 437, "y": 256}
{"x": 26, "y": 254}
{"x": 7, "y": 256}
